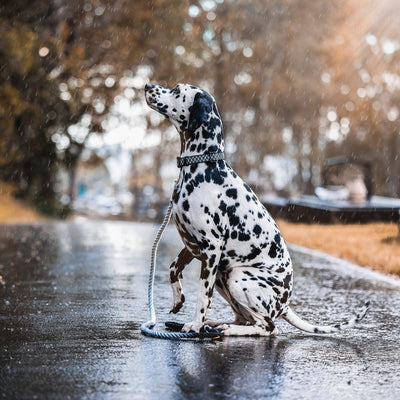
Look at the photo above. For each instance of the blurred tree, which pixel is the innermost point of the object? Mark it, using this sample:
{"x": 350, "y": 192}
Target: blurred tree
{"x": 364, "y": 67}
{"x": 27, "y": 103}
{"x": 265, "y": 71}
{"x": 63, "y": 62}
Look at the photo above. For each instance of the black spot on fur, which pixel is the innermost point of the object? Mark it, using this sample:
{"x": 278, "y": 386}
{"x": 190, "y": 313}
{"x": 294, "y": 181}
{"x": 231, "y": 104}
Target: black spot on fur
{"x": 287, "y": 281}
{"x": 244, "y": 237}
{"x": 215, "y": 234}
{"x": 232, "y": 193}
{"x": 272, "y": 250}
{"x": 247, "y": 187}
{"x": 222, "y": 206}
{"x": 257, "y": 229}
{"x": 284, "y": 298}
{"x": 185, "y": 205}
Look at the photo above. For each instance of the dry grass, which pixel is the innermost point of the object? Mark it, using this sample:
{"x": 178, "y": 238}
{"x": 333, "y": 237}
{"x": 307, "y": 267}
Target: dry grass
{"x": 374, "y": 245}
{"x": 14, "y": 211}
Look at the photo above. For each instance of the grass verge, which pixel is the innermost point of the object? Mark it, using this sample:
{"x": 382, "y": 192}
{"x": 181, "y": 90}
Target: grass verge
{"x": 13, "y": 211}
{"x": 375, "y": 245}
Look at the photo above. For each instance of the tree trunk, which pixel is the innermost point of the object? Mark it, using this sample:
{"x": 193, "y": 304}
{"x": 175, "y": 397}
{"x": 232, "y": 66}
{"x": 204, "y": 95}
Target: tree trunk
{"x": 71, "y": 182}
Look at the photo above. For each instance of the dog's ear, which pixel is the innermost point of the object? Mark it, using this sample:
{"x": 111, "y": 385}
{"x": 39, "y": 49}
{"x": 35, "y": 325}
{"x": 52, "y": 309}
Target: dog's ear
{"x": 199, "y": 112}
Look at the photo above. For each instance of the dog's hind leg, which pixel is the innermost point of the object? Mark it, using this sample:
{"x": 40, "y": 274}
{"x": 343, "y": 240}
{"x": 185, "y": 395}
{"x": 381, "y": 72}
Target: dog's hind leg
{"x": 246, "y": 330}
{"x": 223, "y": 290}
{"x": 252, "y": 299}
{"x": 175, "y": 276}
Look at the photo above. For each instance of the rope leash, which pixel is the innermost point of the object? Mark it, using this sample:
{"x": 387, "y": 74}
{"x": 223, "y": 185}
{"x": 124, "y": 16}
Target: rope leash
{"x": 147, "y": 328}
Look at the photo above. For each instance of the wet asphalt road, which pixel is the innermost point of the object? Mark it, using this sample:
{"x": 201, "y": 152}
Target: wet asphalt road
{"x": 73, "y": 295}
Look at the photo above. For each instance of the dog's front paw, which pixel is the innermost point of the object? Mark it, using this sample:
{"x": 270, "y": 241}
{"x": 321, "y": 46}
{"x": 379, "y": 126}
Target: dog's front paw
{"x": 177, "y": 304}
{"x": 192, "y": 327}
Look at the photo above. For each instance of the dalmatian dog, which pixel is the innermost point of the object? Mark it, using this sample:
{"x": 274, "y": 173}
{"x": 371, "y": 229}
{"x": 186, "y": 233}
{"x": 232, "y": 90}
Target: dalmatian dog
{"x": 223, "y": 224}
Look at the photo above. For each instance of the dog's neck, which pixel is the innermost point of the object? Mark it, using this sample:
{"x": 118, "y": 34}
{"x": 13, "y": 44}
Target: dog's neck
{"x": 205, "y": 139}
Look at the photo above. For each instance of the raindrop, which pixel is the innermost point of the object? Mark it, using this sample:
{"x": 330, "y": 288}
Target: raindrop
{"x": 118, "y": 99}
{"x": 361, "y": 92}
{"x": 87, "y": 92}
{"x": 63, "y": 143}
{"x": 211, "y": 16}
{"x": 371, "y": 39}
{"x": 207, "y": 5}
{"x": 55, "y": 73}
{"x": 390, "y": 46}
{"x": 44, "y": 51}
{"x": 95, "y": 82}
{"x": 345, "y": 89}
{"x": 248, "y": 52}
{"x": 326, "y": 77}
{"x": 345, "y": 130}
{"x": 151, "y": 53}
{"x": 187, "y": 27}
{"x": 129, "y": 93}
{"x": 194, "y": 11}
{"x": 63, "y": 87}
{"x": 242, "y": 78}
{"x": 88, "y": 20}
{"x": 231, "y": 46}
{"x": 99, "y": 107}
{"x": 345, "y": 122}
{"x": 180, "y": 50}
{"x": 365, "y": 76}
{"x": 287, "y": 134}
{"x": 393, "y": 114}
{"x": 66, "y": 96}
{"x": 99, "y": 11}
{"x": 51, "y": 115}
{"x": 208, "y": 35}
{"x": 106, "y": 44}
{"x": 86, "y": 120}
{"x": 331, "y": 116}
{"x": 110, "y": 81}
{"x": 371, "y": 91}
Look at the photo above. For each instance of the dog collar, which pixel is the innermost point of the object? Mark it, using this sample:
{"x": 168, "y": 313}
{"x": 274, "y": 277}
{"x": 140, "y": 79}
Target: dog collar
{"x": 199, "y": 158}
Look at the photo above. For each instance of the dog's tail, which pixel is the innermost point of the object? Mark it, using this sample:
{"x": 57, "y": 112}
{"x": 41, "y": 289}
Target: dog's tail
{"x": 296, "y": 321}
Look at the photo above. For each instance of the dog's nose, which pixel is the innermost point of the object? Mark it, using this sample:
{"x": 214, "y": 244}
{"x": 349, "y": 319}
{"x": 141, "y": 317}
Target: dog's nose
{"x": 148, "y": 86}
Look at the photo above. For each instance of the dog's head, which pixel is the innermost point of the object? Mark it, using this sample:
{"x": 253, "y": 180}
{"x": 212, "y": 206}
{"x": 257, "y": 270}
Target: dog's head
{"x": 186, "y": 106}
